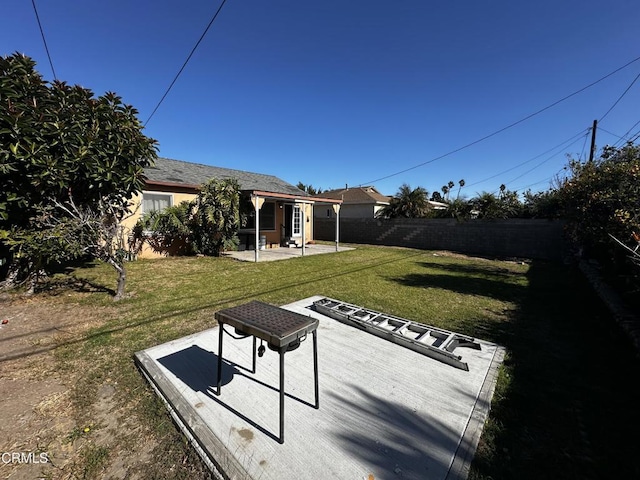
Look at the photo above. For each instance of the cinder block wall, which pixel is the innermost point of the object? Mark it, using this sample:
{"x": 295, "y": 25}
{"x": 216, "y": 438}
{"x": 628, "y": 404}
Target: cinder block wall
{"x": 524, "y": 238}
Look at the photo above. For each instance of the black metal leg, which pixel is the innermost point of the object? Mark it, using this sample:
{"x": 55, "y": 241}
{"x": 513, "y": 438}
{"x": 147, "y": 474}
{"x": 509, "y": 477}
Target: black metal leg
{"x": 282, "y": 396}
{"x": 219, "y": 380}
{"x": 254, "y": 355}
{"x": 315, "y": 367}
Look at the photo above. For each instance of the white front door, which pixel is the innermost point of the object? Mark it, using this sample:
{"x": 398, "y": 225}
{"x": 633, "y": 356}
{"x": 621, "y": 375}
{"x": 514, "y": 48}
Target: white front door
{"x": 296, "y": 222}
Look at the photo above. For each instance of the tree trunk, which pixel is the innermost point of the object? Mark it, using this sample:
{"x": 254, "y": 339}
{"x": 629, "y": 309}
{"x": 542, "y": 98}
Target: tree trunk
{"x": 122, "y": 278}
{"x": 13, "y": 276}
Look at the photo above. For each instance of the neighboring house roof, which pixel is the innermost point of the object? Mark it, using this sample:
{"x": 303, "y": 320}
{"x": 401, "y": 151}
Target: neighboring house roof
{"x": 357, "y": 195}
{"x": 438, "y": 205}
{"x": 171, "y": 172}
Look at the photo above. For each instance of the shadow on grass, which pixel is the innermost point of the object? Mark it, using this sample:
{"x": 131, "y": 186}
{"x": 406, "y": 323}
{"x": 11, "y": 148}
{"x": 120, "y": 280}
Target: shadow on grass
{"x": 566, "y": 402}
{"x": 466, "y": 285}
{"x": 467, "y": 269}
{"x": 61, "y": 285}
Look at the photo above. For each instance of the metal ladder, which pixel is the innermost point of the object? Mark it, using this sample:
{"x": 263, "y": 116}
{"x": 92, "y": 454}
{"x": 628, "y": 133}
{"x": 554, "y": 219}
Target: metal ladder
{"x": 433, "y": 342}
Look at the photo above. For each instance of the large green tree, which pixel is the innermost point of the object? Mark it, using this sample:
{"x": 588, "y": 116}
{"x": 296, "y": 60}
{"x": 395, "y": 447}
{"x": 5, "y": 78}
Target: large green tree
{"x": 67, "y": 159}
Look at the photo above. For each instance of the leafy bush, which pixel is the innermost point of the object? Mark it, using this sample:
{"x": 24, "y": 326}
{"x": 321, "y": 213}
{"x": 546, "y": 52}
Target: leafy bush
{"x": 602, "y": 197}
{"x": 208, "y": 225}
{"x": 601, "y": 201}
{"x": 216, "y": 217}
{"x": 542, "y": 204}
{"x": 166, "y": 231}
{"x": 458, "y": 208}
{"x": 506, "y": 204}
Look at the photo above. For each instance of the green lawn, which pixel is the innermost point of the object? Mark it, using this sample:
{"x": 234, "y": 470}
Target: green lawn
{"x": 566, "y": 404}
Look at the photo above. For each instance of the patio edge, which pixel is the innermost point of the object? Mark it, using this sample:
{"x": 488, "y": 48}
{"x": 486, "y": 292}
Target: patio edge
{"x": 461, "y": 464}
{"x": 209, "y": 447}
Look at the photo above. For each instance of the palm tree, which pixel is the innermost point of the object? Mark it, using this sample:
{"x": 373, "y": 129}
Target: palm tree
{"x": 458, "y": 208}
{"x": 461, "y": 183}
{"x": 487, "y": 205}
{"x": 407, "y": 203}
{"x": 505, "y": 205}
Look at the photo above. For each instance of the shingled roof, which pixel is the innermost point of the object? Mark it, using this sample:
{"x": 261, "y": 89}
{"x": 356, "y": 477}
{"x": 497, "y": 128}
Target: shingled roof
{"x": 178, "y": 172}
{"x": 357, "y": 195}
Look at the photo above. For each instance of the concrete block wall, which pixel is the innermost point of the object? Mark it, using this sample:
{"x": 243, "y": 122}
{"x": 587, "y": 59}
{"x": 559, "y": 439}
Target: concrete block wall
{"x": 523, "y": 238}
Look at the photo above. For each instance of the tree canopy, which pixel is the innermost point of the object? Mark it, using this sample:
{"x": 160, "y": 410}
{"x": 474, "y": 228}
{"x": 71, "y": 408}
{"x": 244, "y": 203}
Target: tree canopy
{"x": 310, "y": 189}
{"x": 407, "y": 203}
{"x": 602, "y": 197}
{"x": 60, "y": 143}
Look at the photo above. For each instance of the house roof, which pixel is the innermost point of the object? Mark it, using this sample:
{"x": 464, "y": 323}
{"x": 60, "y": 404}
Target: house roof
{"x": 171, "y": 172}
{"x": 357, "y": 195}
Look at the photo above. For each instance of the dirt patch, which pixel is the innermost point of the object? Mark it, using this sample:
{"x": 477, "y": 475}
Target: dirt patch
{"x": 39, "y": 325}
{"x": 41, "y": 434}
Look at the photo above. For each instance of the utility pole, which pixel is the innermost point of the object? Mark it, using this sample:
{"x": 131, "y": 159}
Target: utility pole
{"x": 593, "y": 140}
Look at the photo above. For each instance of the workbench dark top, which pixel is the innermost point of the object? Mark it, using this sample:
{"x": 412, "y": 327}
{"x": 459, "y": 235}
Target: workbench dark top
{"x": 276, "y": 325}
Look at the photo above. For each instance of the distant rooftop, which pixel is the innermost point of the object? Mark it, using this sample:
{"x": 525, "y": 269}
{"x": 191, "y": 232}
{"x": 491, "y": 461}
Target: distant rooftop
{"x": 356, "y": 195}
{"x": 179, "y": 172}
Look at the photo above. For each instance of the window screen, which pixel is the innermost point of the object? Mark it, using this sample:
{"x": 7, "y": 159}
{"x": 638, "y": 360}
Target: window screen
{"x": 267, "y": 217}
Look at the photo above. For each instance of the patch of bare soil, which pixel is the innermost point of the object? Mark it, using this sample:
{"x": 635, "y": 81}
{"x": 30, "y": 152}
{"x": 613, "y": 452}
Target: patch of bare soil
{"x": 40, "y": 434}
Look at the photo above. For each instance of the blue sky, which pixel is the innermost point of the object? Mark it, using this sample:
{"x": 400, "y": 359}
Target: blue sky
{"x": 352, "y": 92}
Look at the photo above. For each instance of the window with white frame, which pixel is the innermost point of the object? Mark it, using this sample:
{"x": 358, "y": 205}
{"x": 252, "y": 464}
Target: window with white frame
{"x": 156, "y": 201}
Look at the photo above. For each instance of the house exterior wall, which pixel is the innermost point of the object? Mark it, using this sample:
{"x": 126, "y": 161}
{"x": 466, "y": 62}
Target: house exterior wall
{"x": 376, "y": 209}
{"x": 247, "y": 237}
{"x": 177, "y": 197}
{"x": 323, "y": 210}
{"x": 346, "y": 210}
{"x": 308, "y": 226}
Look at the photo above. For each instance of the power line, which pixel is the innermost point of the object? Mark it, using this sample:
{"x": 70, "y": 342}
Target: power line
{"x": 539, "y": 164}
{"x": 186, "y": 61}
{"x": 620, "y": 97}
{"x": 44, "y": 40}
{"x": 584, "y": 145}
{"x": 619, "y": 142}
{"x": 610, "y": 133}
{"x": 634, "y": 138}
{"x": 548, "y": 179}
{"x": 370, "y": 182}
{"x": 532, "y": 159}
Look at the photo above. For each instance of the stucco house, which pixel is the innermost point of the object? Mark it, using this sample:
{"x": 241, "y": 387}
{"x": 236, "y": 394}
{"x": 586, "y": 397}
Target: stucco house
{"x": 283, "y": 212}
{"x": 357, "y": 202}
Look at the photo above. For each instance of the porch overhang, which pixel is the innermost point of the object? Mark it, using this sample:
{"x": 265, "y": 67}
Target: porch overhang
{"x": 258, "y": 197}
{"x": 288, "y": 196}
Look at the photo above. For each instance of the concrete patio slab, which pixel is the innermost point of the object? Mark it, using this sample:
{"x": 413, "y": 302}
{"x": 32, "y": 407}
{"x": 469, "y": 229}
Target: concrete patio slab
{"x": 283, "y": 253}
{"x": 386, "y": 412}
